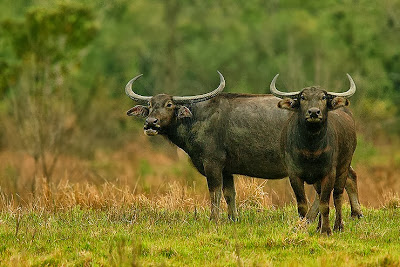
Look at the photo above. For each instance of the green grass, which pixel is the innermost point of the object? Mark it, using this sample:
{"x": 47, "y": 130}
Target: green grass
{"x": 177, "y": 238}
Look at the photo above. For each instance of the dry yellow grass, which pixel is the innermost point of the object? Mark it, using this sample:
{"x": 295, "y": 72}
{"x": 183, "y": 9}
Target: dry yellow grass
{"x": 178, "y": 197}
{"x": 141, "y": 173}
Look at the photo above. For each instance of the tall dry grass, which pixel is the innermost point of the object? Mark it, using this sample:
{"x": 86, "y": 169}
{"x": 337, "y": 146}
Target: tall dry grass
{"x": 179, "y": 197}
{"x": 142, "y": 175}
{"x": 109, "y": 196}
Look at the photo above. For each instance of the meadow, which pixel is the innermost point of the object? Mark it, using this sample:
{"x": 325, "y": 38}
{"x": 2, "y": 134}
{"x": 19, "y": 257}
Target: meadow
{"x": 113, "y": 227}
{"x": 141, "y": 206}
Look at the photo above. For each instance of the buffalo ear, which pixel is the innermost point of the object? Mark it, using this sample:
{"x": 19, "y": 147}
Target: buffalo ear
{"x": 184, "y": 112}
{"x": 288, "y": 103}
{"x": 138, "y": 111}
{"x": 338, "y": 102}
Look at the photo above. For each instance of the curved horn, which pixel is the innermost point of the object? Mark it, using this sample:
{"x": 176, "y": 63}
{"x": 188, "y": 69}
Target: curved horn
{"x": 203, "y": 97}
{"x": 280, "y": 94}
{"x": 349, "y": 92}
{"x": 133, "y": 95}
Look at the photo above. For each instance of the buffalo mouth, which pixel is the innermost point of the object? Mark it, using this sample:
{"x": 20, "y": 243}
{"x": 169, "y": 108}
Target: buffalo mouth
{"x": 313, "y": 120}
{"x": 151, "y": 130}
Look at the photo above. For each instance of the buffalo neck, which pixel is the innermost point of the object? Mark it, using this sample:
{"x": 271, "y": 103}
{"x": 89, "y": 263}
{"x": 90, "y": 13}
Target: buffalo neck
{"x": 179, "y": 131}
{"x": 309, "y": 136}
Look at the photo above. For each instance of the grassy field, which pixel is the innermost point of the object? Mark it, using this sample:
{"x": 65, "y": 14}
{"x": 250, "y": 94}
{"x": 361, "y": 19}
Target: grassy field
{"x": 143, "y": 236}
{"x": 160, "y": 217}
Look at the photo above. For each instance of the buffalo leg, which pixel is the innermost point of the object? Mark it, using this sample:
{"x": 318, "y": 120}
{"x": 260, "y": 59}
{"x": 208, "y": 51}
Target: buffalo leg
{"x": 298, "y": 189}
{"x": 228, "y": 187}
{"x": 319, "y": 223}
{"x": 324, "y": 197}
{"x": 352, "y": 192}
{"x": 317, "y": 187}
{"x": 214, "y": 180}
{"x": 313, "y": 211}
{"x": 338, "y": 200}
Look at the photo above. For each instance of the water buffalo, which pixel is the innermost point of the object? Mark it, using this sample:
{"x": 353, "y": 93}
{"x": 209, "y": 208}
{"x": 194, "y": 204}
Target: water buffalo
{"x": 317, "y": 144}
{"x": 223, "y": 134}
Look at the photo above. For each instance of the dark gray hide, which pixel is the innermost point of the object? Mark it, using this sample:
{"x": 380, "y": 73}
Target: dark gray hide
{"x": 317, "y": 143}
{"x": 228, "y": 134}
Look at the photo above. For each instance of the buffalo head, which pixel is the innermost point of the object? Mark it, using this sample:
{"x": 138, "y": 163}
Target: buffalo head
{"x": 162, "y": 109}
{"x": 313, "y": 103}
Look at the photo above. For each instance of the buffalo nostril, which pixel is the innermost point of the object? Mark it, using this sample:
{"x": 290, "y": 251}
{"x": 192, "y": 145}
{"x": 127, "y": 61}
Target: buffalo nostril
{"x": 151, "y": 121}
{"x": 314, "y": 110}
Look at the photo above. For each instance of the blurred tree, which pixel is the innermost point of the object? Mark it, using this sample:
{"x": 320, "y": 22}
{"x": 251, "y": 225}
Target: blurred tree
{"x": 47, "y": 44}
{"x": 178, "y": 46}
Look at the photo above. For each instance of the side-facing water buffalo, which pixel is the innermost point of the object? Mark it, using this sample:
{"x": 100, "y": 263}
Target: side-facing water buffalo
{"x": 317, "y": 143}
{"x": 223, "y": 134}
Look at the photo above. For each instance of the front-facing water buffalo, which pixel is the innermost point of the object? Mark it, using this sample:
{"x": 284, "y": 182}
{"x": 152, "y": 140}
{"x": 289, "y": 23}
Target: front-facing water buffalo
{"x": 318, "y": 142}
{"x": 223, "y": 134}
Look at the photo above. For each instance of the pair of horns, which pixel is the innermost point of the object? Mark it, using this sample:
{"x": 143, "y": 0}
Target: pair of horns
{"x": 280, "y": 94}
{"x": 206, "y": 96}
{"x": 177, "y": 99}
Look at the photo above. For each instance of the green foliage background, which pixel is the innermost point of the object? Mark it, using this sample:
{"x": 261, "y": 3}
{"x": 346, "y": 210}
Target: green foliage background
{"x": 90, "y": 49}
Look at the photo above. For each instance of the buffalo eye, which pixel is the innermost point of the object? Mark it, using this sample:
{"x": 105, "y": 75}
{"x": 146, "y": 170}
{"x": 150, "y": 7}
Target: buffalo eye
{"x": 324, "y": 97}
{"x": 169, "y": 104}
{"x": 302, "y": 97}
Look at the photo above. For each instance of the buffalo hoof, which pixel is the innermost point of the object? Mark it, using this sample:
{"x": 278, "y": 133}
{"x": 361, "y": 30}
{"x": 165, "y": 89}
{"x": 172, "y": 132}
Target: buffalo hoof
{"x": 338, "y": 227}
{"x": 357, "y": 215}
{"x": 326, "y": 230}
{"x": 311, "y": 216}
{"x": 302, "y": 211}
{"x": 233, "y": 218}
{"x": 319, "y": 223}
